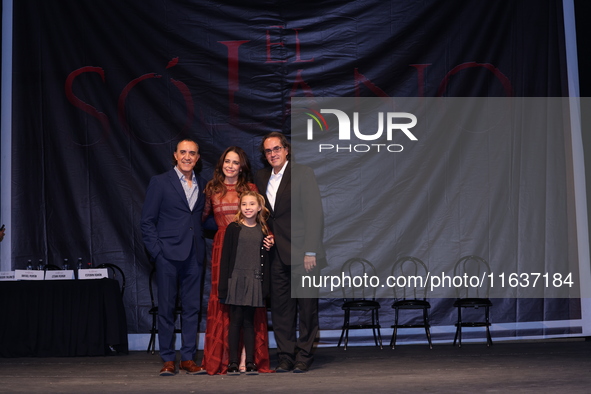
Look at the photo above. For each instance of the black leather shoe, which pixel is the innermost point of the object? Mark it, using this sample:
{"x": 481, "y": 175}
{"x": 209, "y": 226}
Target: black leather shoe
{"x": 251, "y": 369}
{"x": 233, "y": 369}
{"x": 284, "y": 366}
{"x": 300, "y": 367}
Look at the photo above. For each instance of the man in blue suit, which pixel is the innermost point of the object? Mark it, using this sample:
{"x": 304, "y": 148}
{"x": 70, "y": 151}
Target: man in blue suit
{"x": 171, "y": 229}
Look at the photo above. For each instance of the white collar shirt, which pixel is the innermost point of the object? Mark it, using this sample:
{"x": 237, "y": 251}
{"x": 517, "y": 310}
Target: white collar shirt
{"x": 273, "y": 185}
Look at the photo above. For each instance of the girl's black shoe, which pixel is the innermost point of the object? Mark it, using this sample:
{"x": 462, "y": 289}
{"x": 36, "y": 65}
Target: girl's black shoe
{"x": 233, "y": 369}
{"x": 251, "y": 368}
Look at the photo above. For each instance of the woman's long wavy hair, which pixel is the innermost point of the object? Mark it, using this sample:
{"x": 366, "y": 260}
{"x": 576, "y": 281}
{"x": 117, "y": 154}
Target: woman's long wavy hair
{"x": 262, "y": 215}
{"x": 217, "y": 185}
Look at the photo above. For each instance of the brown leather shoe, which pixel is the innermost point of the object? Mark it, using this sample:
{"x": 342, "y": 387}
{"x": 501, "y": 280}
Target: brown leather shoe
{"x": 168, "y": 369}
{"x": 191, "y": 367}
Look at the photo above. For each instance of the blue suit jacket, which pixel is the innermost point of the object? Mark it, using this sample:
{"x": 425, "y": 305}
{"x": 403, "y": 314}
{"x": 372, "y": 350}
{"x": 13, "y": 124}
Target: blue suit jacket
{"x": 169, "y": 227}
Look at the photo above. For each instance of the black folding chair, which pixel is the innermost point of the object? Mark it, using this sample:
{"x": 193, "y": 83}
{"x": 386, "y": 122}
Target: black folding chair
{"x": 363, "y": 300}
{"x": 473, "y": 297}
{"x": 411, "y": 295}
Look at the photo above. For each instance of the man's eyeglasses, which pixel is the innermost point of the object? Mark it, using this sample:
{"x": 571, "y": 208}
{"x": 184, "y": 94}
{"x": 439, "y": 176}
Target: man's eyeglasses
{"x": 276, "y": 149}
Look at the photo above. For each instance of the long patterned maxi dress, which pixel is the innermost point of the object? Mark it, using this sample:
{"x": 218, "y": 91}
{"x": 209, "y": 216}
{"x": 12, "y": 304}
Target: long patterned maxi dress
{"x": 216, "y": 352}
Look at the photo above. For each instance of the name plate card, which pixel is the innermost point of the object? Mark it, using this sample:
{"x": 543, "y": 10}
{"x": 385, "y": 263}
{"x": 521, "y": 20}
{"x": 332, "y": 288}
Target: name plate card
{"x": 59, "y": 275}
{"x": 93, "y": 273}
{"x": 29, "y": 275}
{"x": 7, "y": 275}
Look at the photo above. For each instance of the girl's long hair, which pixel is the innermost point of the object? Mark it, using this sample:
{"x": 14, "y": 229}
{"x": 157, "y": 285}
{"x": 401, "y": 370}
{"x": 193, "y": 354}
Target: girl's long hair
{"x": 217, "y": 185}
{"x": 262, "y": 215}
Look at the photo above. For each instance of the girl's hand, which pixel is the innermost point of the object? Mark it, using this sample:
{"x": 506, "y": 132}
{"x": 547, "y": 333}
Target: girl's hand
{"x": 268, "y": 242}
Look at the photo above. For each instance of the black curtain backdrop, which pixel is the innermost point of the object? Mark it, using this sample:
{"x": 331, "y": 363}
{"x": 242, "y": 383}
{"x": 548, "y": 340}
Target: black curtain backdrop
{"x": 103, "y": 90}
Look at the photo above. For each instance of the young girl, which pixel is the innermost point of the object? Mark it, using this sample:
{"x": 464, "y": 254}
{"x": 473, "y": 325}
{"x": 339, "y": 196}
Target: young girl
{"x": 244, "y": 276}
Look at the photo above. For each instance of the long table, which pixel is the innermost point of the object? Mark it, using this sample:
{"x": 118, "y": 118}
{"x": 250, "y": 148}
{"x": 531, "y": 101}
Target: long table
{"x": 62, "y": 318}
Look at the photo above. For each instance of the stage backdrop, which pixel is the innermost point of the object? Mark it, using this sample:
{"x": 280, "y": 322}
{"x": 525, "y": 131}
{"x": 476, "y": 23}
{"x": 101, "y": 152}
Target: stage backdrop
{"x": 104, "y": 89}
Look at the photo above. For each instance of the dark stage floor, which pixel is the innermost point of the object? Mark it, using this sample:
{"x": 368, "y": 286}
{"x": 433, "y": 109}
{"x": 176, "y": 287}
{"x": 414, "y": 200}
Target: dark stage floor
{"x": 549, "y": 366}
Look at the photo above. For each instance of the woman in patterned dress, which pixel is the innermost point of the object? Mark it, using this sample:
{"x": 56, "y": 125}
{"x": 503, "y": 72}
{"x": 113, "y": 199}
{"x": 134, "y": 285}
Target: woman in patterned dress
{"x": 231, "y": 177}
